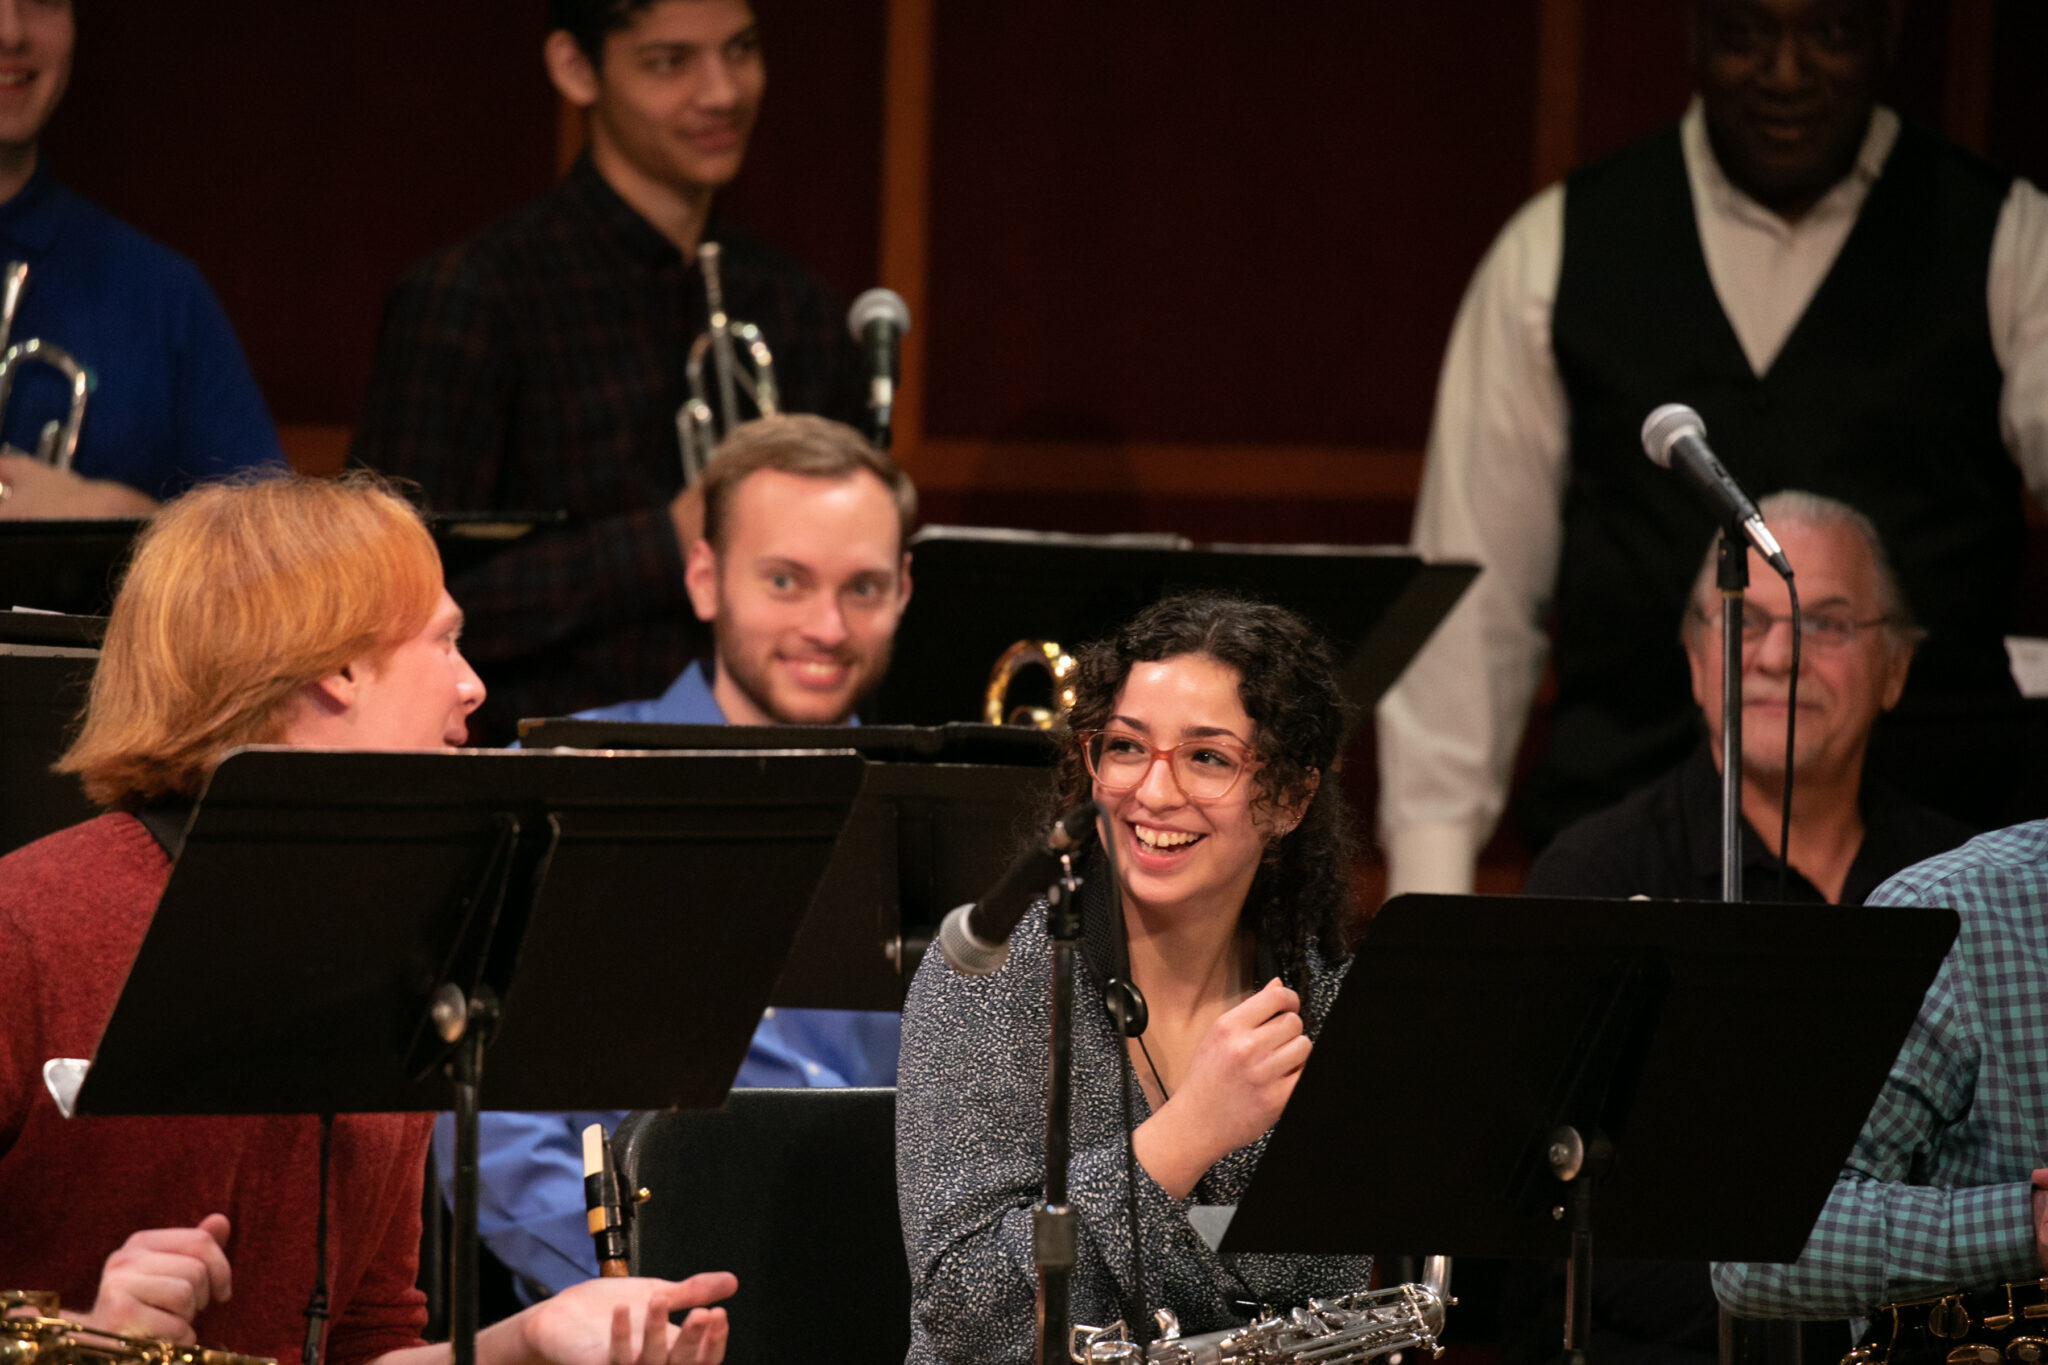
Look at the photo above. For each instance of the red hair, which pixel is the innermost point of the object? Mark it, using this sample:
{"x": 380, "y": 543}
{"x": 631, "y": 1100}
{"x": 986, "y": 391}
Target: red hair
{"x": 238, "y": 596}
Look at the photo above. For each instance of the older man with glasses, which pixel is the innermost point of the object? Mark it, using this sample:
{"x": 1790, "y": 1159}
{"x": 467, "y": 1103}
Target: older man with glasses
{"x": 1848, "y": 836}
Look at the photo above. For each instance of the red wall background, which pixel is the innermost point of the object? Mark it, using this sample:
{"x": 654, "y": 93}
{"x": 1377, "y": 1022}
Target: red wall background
{"x": 1157, "y": 232}
{"x": 1175, "y": 264}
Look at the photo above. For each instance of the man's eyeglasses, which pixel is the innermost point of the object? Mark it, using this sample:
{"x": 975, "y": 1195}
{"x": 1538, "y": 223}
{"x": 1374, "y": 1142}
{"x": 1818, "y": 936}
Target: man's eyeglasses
{"x": 1822, "y": 629}
{"x": 1204, "y": 769}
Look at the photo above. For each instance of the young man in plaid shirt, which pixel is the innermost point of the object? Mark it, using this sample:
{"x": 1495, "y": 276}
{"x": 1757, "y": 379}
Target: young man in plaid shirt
{"x": 538, "y": 367}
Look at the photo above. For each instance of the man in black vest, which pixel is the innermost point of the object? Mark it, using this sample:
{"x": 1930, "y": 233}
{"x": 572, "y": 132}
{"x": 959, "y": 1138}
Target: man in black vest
{"x": 1854, "y": 306}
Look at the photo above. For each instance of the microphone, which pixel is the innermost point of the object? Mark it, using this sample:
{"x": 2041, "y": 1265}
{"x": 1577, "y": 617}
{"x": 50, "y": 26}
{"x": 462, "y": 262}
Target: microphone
{"x": 1674, "y": 437}
{"x": 878, "y": 320}
{"x": 975, "y": 937}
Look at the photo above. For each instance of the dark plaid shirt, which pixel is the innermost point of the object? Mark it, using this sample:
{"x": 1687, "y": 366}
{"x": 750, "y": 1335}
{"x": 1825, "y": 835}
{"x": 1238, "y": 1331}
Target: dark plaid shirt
{"x": 538, "y": 368}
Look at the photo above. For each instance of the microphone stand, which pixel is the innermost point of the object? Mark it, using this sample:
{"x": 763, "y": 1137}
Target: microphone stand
{"x": 1053, "y": 1225}
{"x": 1732, "y": 577}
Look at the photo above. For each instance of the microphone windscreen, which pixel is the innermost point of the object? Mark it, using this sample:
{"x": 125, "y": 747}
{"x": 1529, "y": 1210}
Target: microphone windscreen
{"x": 964, "y": 951}
{"x": 1076, "y": 829}
{"x": 1664, "y": 426}
{"x": 884, "y": 305}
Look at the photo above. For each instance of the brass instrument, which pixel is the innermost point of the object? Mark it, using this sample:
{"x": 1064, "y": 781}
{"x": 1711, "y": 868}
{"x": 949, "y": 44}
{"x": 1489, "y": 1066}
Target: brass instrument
{"x": 2008, "y": 1327}
{"x": 58, "y": 442}
{"x": 1344, "y": 1329}
{"x": 1029, "y": 654}
{"x": 13, "y": 279}
{"x": 41, "y": 1337}
{"x": 697, "y": 427}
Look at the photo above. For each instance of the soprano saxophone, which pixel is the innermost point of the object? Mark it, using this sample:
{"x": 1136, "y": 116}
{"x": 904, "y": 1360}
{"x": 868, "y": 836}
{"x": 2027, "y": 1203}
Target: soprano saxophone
{"x": 1343, "y": 1329}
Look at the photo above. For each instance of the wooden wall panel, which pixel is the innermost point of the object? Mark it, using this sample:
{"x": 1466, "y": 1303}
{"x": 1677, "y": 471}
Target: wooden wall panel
{"x": 1147, "y": 236}
{"x": 303, "y": 154}
{"x": 812, "y": 183}
{"x": 1632, "y": 75}
{"x": 1199, "y": 226}
{"x": 2019, "y": 89}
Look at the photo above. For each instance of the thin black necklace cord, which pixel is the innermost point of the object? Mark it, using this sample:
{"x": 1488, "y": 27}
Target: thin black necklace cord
{"x": 1153, "y": 1067}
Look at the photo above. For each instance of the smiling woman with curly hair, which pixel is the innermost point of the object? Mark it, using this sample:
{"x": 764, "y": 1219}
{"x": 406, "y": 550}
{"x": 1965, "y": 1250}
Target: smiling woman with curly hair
{"x": 1205, "y": 728}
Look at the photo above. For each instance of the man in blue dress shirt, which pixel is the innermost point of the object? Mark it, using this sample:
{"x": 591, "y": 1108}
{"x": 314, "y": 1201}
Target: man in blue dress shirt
{"x": 171, "y": 401}
{"x": 802, "y": 574}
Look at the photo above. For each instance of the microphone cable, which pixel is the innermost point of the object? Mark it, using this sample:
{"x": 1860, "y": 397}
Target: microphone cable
{"x": 1128, "y": 1017}
{"x": 1791, "y": 718}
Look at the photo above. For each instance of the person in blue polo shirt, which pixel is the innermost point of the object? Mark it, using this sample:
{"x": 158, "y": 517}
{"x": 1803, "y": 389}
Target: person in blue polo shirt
{"x": 172, "y": 401}
{"x": 802, "y": 574}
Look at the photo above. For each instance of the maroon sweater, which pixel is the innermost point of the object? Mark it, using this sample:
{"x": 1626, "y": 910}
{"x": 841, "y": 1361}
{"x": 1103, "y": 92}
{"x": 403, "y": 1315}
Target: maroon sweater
{"x": 73, "y": 910}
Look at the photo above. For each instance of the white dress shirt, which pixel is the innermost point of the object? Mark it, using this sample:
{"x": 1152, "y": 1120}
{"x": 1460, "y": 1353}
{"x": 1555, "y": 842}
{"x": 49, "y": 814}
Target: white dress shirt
{"x": 1494, "y": 475}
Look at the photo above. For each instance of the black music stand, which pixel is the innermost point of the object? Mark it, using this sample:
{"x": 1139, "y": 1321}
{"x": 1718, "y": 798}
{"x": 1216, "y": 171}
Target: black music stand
{"x": 940, "y": 814}
{"x": 981, "y": 590}
{"x": 349, "y": 932}
{"x": 1656, "y": 1032}
{"x": 64, "y": 566}
{"x": 75, "y": 566}
{"x": 46, "y": 664}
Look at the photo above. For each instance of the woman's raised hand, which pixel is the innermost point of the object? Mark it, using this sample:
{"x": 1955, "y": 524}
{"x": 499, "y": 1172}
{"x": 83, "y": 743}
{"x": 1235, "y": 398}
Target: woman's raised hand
{"x": 1242, "y": 1074}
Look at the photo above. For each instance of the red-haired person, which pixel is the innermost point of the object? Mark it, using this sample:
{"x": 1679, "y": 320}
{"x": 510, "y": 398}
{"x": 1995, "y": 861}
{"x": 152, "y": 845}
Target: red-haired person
{"x": 288, "y": 611}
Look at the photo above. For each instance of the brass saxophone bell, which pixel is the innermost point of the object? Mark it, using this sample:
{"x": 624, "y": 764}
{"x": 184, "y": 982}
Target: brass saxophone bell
{"x": 45, "y": 1338}
{"x": 1018, "y": 658}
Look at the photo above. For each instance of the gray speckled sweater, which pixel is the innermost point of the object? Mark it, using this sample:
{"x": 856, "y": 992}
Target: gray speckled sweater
{"x": 970, "y": 1161}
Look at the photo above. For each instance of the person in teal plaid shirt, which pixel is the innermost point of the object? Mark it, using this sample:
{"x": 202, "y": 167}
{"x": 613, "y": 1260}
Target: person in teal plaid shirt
{"x": 1943, "y": 1189}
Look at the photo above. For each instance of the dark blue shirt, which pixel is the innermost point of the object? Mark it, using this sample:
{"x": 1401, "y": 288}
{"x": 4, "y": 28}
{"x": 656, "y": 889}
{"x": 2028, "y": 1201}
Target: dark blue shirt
{"x": 172, "y": 399}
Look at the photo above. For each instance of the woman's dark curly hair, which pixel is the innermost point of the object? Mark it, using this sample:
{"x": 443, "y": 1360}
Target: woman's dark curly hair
{"x": 1287, "y": 683}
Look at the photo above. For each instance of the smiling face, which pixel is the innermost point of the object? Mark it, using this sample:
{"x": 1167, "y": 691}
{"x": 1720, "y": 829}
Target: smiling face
{"x": 36, "y": 40}
{"x": 804, "y": 592}
{"x": 676, "y": 95}
{"x": 1842, "y": 688}
{"x": 1788, "y": 87}
{"x": 1178, "y": 856}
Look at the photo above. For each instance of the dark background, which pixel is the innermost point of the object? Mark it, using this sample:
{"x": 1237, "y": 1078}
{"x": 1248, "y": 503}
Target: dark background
{"x": 1175, "y": 264}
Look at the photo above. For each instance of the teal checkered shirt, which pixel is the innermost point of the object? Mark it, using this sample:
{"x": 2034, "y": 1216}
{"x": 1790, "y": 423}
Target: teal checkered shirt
{"x": 1935, "y": 1195}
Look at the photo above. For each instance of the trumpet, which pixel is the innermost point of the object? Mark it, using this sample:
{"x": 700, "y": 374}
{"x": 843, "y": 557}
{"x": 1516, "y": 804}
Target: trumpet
{"x": 58, "y": 442}
{"x": 41, "y": 1337}
{"x": 697, "y": 427}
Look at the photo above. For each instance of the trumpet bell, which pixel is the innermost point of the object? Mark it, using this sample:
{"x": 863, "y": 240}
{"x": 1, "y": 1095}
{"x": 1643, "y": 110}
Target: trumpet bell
{"x": 59, "y": 441}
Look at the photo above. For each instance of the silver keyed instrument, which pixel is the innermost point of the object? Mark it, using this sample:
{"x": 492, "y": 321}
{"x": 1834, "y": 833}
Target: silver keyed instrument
{"x": 698, "y": 428}
{"x": 1343, "y": 1329}
{"x": 58, "y": 442}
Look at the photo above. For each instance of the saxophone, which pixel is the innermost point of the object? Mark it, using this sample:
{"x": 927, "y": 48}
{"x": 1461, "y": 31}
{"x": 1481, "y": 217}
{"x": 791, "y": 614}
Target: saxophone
{"x": 1345, "y": 1328}
{"x": 31, "y": 1333}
